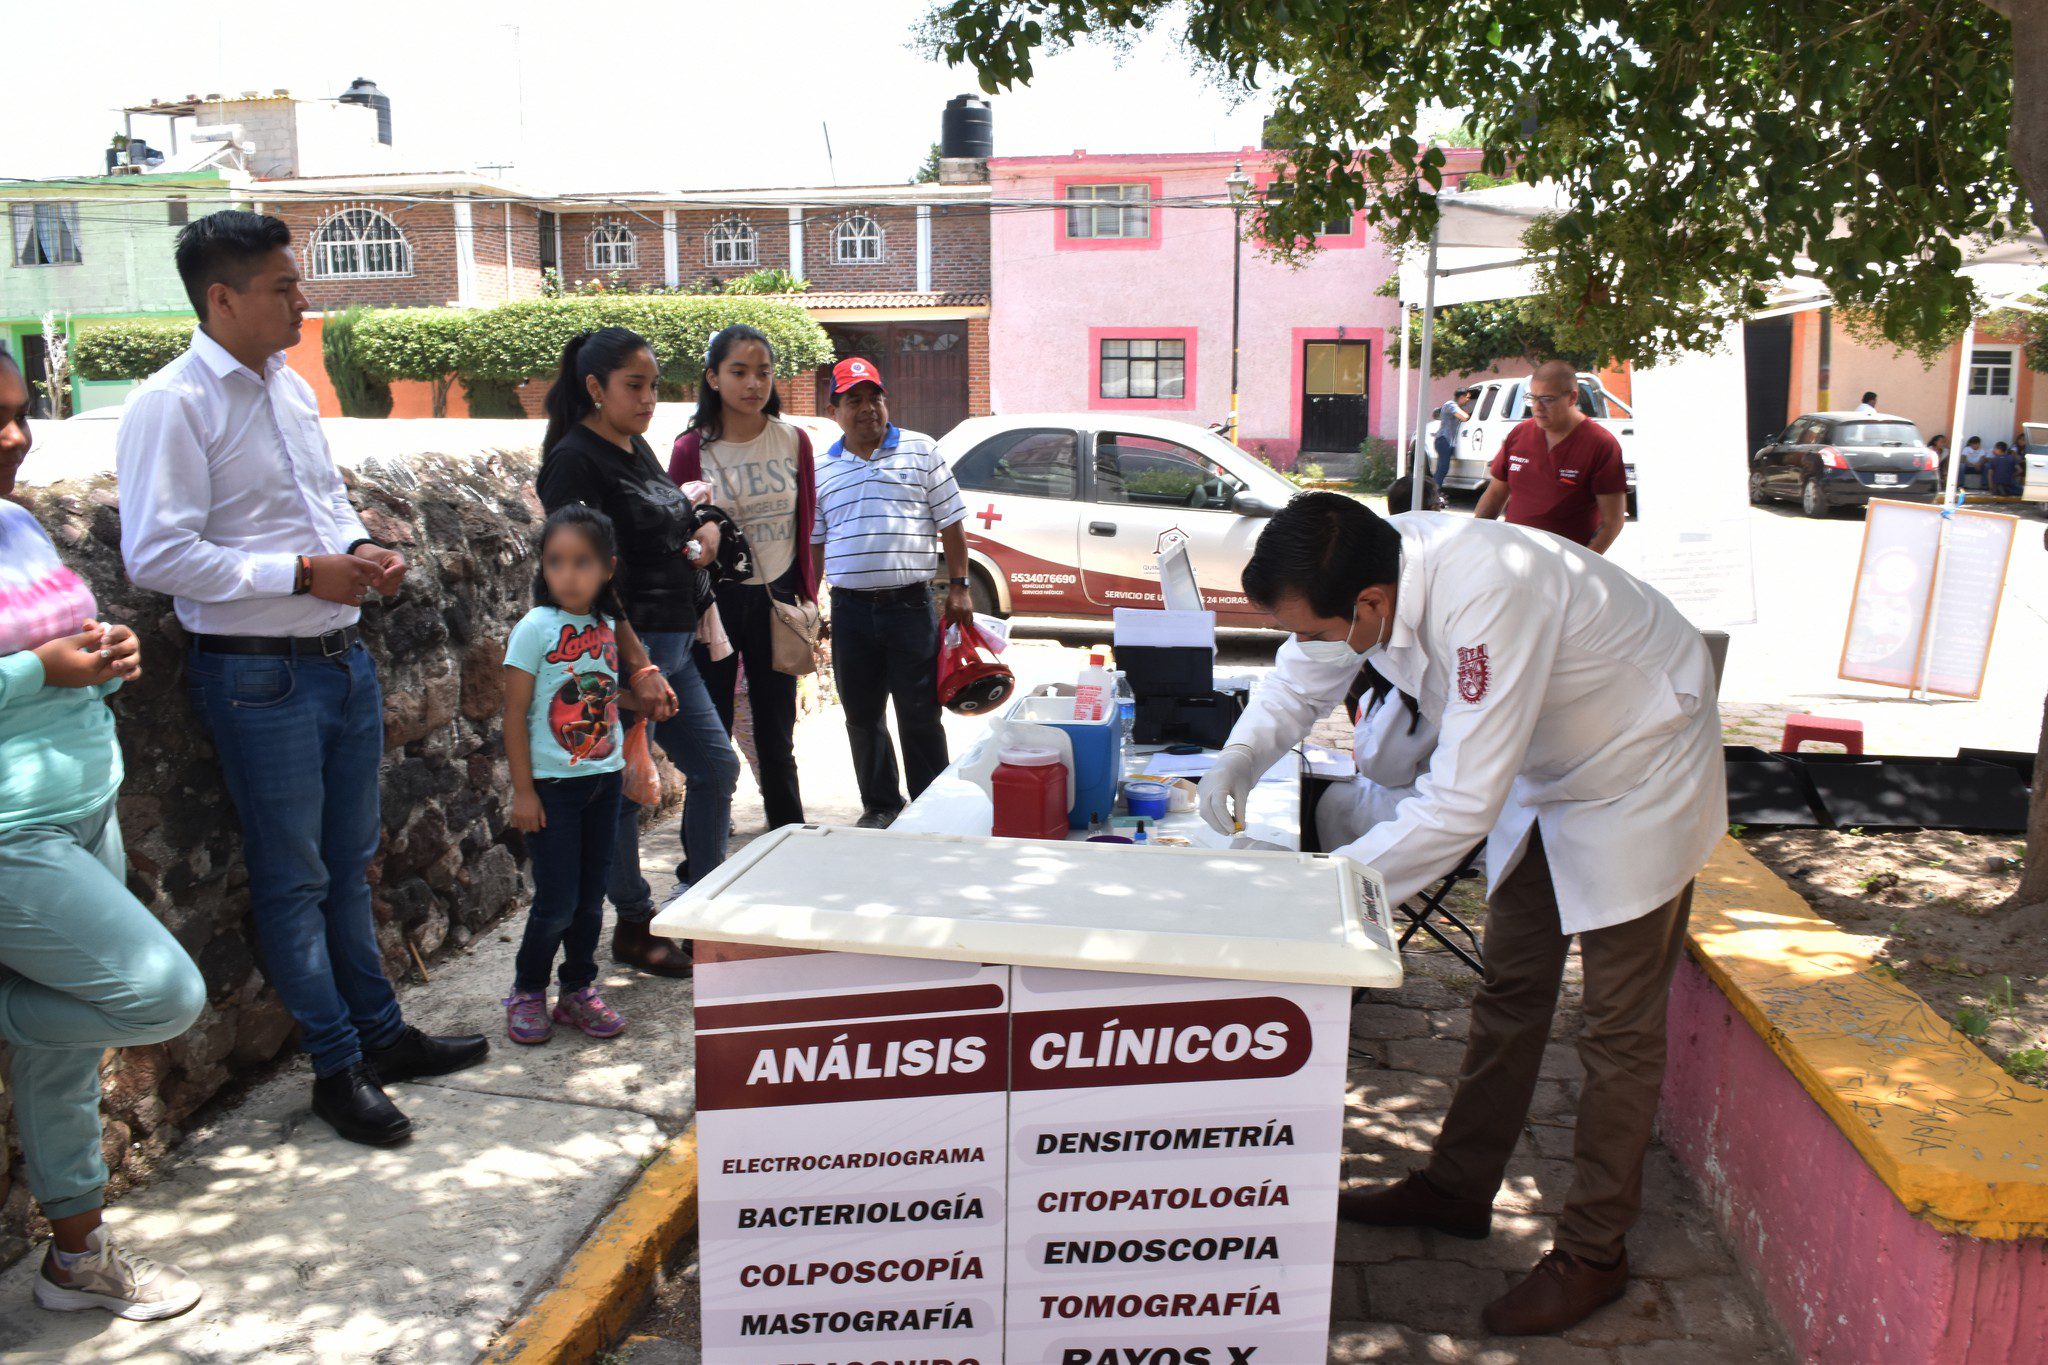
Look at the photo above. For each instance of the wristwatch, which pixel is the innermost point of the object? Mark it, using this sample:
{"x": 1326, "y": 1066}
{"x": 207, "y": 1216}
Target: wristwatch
{"x": 956, "y": 582}
{"x": 358, "y": 544}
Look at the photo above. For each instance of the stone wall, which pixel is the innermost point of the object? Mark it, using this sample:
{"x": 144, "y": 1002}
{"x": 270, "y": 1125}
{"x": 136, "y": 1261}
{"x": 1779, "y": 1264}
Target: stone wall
{"x": 450, "y": 863}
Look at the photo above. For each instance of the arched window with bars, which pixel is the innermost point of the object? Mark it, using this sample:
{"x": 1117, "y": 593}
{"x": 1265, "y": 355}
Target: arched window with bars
{"x": 857, "y": 240}
{"x": 612, "y": 246}
{"x": 358, "y": 242}
{"x": 732, "y": 241}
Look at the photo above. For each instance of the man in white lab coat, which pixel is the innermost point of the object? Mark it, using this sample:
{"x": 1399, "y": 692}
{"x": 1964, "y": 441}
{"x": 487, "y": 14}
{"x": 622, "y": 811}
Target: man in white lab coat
{"x": 1579, "y": 737}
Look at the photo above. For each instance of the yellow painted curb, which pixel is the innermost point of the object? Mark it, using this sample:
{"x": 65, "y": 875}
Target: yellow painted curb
{"x": 1963, "y": 1145}
{"x": 610, "y": 1273}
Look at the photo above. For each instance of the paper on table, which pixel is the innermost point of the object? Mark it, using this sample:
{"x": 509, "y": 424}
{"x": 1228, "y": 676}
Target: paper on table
{"x": 1180, "y": 765}
{"x": 1144, "y": 627}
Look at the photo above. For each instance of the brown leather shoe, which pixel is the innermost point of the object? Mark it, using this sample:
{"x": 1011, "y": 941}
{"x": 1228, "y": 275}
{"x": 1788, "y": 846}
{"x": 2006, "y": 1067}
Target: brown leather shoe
{"x": 1562, "y": 1291}
{"x": 1414, "y": 1202}
{"x": 636, "y": 946}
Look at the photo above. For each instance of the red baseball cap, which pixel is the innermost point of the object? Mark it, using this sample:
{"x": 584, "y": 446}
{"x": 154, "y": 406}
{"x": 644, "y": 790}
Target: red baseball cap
{"x": 855, "y": 370}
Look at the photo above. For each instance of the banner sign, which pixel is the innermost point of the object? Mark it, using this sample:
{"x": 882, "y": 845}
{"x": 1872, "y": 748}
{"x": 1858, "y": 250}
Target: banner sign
{"x": 1924, "y": 608}
{"x": 902, "y": 1159}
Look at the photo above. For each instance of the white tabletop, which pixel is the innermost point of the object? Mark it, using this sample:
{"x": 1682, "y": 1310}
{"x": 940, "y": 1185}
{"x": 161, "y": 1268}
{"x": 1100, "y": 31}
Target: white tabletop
{"x": 1253, "y": 916}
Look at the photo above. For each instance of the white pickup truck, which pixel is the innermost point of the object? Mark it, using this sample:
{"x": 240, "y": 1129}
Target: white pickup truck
{"x": 1504, "y": 402}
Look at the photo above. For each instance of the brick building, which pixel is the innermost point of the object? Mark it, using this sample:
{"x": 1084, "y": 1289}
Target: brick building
{"x": 896, "y": 272}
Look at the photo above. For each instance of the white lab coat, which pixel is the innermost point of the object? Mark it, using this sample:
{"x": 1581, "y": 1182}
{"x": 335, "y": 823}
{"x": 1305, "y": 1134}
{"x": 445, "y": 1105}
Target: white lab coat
{"x": 1566, "y": 693}
{"x": 1390, "y": 758}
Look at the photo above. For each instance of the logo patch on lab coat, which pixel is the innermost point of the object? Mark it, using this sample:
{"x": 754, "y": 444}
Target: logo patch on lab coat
{"x": 1473, "y": 673}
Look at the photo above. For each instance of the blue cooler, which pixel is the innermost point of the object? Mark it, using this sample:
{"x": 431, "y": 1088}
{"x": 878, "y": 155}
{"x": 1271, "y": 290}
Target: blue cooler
{"x": 1098, "y": 755}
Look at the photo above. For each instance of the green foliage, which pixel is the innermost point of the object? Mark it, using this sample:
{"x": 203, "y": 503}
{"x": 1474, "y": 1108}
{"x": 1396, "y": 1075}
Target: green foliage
{"x": 492, "y": 398}
{"x": 928, "y": 173}
{"x": 1972, "y": 1022}
{"x": 1703, "y": 151}
{"x": 2026, "y": 1063}
{"x": 768, "y": 280}
{"x": 524, "y": 340}
{"x": 1375, "y": 465}
{"x": 128, "y": 350}
{"x": 412, "y": 343}
{"x": 1308, "y": 473}
{"x": 1478, "y": 336}
{"x": 359, "y": 394}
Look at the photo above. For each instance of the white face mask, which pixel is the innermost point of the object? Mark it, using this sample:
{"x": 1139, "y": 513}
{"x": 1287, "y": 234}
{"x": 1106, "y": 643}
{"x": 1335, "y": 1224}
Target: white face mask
{"x": 1340, "y": 651}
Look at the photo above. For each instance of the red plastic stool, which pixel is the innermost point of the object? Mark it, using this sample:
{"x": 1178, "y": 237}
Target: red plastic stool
{"x": 1822, "y": 729}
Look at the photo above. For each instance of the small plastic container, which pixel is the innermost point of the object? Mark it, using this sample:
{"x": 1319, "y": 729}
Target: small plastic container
{"x": 1030, "y": 790}
{"x": 1146, "y": 799}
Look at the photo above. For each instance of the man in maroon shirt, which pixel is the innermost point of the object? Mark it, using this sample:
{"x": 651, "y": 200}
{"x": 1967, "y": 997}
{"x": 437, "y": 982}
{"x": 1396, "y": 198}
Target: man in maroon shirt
{"x": 1557, "y": 471}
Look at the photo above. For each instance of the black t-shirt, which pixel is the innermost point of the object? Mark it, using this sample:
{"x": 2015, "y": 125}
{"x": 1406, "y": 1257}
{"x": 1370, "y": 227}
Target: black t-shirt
{"x": 653, "y": 519}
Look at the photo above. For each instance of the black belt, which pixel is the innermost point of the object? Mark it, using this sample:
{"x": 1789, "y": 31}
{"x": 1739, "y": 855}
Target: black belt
{"x": 332, "y": 645}
{"x": 909, "y": 592}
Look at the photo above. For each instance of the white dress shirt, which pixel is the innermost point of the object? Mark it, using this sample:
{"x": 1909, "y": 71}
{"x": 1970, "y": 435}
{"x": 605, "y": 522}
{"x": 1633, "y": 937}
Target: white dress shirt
{"x": 1565, "y": 693}
{"x": 225, "y": 481}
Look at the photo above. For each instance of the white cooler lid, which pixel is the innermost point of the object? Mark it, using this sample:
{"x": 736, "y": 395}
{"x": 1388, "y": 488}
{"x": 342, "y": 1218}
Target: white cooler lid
{"x": 1253, "y": 916}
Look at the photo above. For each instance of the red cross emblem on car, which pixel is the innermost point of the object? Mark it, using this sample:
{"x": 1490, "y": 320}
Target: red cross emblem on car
{"x": 990, "y": 517}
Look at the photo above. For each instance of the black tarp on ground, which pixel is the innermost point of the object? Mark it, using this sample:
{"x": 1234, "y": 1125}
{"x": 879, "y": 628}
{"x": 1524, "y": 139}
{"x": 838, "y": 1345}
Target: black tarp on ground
{"x": 1840, "y": 791}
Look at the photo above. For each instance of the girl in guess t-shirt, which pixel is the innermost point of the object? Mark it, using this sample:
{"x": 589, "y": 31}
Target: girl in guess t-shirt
{"x": 760, "y": 471}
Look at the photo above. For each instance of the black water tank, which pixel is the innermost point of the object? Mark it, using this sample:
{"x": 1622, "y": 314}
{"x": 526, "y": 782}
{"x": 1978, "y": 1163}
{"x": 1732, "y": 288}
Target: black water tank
{"x": 967, "y": 129}
{"x": 365, "y": 92}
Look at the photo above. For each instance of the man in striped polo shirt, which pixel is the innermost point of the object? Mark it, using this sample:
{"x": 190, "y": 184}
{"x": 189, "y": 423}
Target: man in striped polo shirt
{"x": 886, "y": 505}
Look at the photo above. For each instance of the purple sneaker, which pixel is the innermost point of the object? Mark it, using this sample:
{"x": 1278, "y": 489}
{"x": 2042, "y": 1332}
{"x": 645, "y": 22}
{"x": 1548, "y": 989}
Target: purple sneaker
{"x": 587, "y": 1010}
{"x": 526, "y": 1017}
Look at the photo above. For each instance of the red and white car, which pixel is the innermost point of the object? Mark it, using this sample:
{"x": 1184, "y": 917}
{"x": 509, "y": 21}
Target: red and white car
{"x": 1066, "y": 511}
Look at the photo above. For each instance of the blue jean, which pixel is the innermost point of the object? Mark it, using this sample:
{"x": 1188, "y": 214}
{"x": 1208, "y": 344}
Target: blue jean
{"x": 696, "y": 742}
{"x": 1445, "y": 449}
{"x": 300, "y": 742}
{"x": 572, "y": 863}
{"x": 84, "y": 967}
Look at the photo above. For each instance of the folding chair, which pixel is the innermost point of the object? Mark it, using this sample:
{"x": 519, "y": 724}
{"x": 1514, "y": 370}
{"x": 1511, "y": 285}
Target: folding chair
{"x": 1433, "y": 908}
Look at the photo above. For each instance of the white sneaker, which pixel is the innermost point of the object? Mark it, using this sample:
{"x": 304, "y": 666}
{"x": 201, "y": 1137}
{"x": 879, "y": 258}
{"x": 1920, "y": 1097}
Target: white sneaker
{"x": 124, "y": 1283}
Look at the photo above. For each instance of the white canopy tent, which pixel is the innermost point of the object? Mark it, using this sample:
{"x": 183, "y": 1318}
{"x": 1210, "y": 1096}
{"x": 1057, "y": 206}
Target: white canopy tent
{"x": 1691, "y": 538}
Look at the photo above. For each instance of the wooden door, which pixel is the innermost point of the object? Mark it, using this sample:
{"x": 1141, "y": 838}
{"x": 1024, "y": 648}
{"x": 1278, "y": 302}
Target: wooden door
{"x": 924, "y": 365}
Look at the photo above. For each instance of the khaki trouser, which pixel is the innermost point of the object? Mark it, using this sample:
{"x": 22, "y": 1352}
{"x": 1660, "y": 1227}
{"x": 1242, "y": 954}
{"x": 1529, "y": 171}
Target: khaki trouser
{"x": 1627, "y": 988}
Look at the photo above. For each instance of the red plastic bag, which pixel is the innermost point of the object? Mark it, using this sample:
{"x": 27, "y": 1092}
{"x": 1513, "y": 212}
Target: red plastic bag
{"x": 643, "y": 783}
{"x": 972, "y": 680}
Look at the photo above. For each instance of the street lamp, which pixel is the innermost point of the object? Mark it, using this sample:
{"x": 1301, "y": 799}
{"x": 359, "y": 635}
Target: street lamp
{"x": 1240, "y": 185}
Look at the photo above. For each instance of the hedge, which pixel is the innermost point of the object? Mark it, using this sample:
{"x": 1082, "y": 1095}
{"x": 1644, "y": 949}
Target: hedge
{"x": 128, "y": 350}
{"x": 359, "y": 392}
{"x": 524, "y": 340}
{"x": 412, "y": 343}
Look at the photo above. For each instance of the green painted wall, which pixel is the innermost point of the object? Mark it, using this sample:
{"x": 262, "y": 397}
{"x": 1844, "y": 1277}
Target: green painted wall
{"x": 125, "y": 238}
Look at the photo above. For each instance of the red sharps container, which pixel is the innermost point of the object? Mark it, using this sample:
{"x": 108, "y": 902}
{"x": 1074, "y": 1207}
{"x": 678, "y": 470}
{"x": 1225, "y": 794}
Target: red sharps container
{"x": 1030, "y": 788}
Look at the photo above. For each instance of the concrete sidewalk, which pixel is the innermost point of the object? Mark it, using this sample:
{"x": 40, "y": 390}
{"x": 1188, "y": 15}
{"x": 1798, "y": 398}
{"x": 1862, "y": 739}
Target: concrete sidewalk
{"x": 314, "y": 1249}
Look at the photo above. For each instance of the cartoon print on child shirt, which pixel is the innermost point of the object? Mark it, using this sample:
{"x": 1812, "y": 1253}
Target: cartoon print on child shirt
{"x": 583, "y": 715}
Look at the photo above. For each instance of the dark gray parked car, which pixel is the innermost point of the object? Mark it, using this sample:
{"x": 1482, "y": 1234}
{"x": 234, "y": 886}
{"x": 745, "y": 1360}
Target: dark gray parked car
{"x": 1827, "y": 460}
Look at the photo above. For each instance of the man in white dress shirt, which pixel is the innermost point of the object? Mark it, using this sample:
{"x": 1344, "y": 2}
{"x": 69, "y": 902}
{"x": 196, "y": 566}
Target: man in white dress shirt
{"x": 1578, "y": 736}
{"x": 230, "y": 502}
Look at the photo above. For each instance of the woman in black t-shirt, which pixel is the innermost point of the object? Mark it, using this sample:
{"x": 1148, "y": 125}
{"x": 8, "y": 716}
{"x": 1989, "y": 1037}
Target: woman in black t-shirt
{"x": 595, "y": 452}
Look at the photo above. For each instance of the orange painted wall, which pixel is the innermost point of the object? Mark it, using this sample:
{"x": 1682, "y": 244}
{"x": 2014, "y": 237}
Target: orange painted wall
{"x": 409, "y": 398}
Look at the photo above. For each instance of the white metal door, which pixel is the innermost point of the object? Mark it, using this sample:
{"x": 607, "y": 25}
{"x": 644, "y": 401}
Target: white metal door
{"x": 1991, "y": 408}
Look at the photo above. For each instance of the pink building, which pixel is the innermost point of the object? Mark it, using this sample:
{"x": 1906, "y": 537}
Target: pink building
{"x": 1122, "y": 302}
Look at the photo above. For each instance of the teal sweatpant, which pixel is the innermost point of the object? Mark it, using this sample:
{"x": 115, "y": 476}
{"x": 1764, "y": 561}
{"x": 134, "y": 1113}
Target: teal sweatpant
{"x": 84, "y": 967}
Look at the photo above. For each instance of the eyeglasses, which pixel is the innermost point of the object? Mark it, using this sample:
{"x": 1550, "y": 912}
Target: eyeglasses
{"x": 1544, "y": 400}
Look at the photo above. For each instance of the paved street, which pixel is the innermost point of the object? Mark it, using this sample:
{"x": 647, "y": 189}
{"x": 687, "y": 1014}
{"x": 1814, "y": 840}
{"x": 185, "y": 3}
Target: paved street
{"x": 315, "y": 1250}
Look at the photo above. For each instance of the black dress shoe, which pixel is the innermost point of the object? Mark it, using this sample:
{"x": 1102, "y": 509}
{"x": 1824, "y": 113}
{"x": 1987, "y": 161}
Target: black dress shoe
{"x": 416, "y": 1054}
{"x": 634, "y": 944}
{"x": 357, "y": 1106}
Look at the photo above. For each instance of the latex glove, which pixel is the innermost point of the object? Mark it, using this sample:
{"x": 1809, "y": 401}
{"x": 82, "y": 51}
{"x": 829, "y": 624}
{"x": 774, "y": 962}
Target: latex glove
{"x": 1226, "y": 789}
